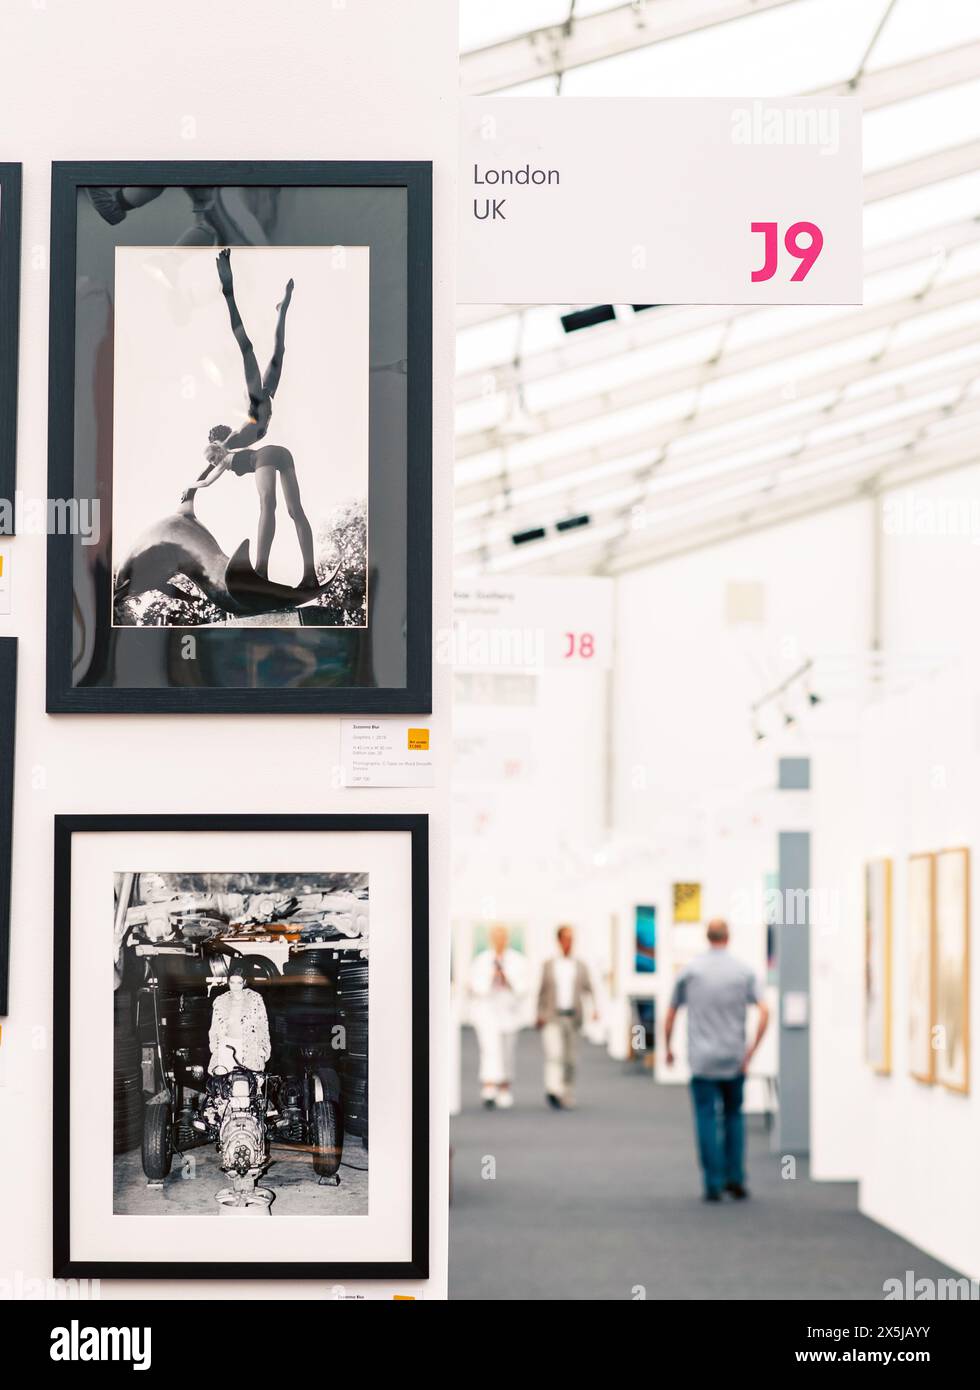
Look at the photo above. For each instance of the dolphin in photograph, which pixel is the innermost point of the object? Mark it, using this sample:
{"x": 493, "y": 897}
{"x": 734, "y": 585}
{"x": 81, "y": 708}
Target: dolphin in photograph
{"x": 180, "y": 544}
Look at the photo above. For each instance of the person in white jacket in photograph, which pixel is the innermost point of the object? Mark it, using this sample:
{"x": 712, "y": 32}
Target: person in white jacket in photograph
{"x": 498, "y": 987}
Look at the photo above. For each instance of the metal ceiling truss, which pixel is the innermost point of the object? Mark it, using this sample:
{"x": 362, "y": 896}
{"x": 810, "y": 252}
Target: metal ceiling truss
{"x": 680, "y": 488}
{"x": 695, "y": 375}
{"x": 819, "y": 495}
{"x": 634, "y": 453}
{"x": 613, "y": 554}
{"x": 557, "y": 48}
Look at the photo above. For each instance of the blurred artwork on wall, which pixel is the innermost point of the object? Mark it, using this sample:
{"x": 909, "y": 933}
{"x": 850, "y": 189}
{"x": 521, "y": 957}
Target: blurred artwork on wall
{"x": 687, "y": 902}
{"x": 771, "y": 897}
{"x": 952, "y": 1025}
{"x": 878, "y": 964}
{"x": 645, "y": 962}
{"x": 920, "y": 936}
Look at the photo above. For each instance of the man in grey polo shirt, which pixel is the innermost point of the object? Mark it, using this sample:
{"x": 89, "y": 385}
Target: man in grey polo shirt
{"x": 717, "y": 990}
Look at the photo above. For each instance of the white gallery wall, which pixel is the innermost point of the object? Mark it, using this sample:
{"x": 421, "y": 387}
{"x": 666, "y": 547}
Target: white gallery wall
{"x": 232, "y": 79}
{"x": 904, "y": 782}
{"x": 692, "y": 656}
{"x": 688, "y": 671}
{"x": 930, "y": 563}
{"x": 895, "y": 769}
{"x": 530, "y": 779}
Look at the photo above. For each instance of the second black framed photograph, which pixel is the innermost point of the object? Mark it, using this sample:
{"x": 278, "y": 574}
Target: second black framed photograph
{"x": 241, "y": 1030}
{"x": 240, "y": 438}
{"x": 10, "y": 217}
{"x": 8, "y": 726}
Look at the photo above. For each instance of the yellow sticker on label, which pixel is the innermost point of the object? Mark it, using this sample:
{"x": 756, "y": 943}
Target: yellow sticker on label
{"x": 418, "y": 740}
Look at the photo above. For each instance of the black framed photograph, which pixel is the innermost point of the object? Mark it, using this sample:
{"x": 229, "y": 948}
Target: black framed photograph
{"x": 241, "y": 1047}
{"x": 10, "y": 198}
{"x": 8, "y": 722}
{"x": 240, "y": 438}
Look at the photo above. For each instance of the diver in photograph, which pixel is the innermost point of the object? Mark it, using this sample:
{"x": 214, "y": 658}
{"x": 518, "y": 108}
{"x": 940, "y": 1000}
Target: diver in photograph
{"x": 239, "y": 1032}
{"x": 233, "y": 449}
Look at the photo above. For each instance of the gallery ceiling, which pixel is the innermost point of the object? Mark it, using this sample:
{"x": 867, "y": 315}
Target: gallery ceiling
{"x": 676, "y": 427}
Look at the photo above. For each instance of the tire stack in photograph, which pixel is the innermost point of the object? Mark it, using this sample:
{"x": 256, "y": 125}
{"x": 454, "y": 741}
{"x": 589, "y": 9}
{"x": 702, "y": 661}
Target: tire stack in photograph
{"x": 352, "y": 1013}
{"x": 127, "y": 1082}
{"x": 302, "y": 1009}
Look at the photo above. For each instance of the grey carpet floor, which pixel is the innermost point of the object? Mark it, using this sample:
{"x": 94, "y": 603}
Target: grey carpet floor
{"x": 603, "y": 1202}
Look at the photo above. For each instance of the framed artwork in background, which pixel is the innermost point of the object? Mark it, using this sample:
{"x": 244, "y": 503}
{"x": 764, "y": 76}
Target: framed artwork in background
{"x": 645, "y": 944}
{"x": 8, "y": 720}
{"x": 10, "y": 200}
{"x": 878, "y": 965}
{"x": 921, "y": 965}
{"x": 240, "y": 433}
{"x": 240, "y": 1003}
{"x": 687, "y": 902}
{"x": 952, "y": 957}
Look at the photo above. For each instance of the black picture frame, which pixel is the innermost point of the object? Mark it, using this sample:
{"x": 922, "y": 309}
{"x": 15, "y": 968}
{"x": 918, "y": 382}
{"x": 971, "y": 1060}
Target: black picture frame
{"x": 412, "y": 697}
{"x": 10, "y": 241}
{"x": 64, "y": 1266}
{"x": 8, "y": 722}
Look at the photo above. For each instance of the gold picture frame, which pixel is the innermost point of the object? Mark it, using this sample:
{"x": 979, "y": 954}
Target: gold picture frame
{"x": 921, "y": 965}
{"x": 952, "y": 957}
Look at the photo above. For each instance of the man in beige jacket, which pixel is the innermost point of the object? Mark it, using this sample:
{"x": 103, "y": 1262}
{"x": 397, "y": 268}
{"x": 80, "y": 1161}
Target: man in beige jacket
{"x": 561, "y": 1012}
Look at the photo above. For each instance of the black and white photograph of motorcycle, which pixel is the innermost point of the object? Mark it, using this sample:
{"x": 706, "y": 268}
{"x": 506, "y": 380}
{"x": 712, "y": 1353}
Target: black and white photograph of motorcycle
{"x": 240, "y": 1044}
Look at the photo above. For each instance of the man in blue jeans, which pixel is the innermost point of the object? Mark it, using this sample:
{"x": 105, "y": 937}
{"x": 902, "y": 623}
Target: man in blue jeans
{"x": 717, "y": 990}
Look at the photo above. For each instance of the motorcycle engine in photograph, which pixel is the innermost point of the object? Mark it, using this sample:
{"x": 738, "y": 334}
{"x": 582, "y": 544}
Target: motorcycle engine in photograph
{"x": 243, "y": 1144}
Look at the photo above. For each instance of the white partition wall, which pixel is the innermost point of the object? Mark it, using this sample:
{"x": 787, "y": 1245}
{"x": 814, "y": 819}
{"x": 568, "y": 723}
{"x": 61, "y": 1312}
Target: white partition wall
{"x": 902, "y": 782}
{"x": 700, "y": 637}
{"x": 911, "y": 779}
{"x": 237, "y": 81}
{"x": 530, "y": 791}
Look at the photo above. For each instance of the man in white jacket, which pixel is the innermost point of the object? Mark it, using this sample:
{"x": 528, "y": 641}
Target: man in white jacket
{"x": 498, "y": 986}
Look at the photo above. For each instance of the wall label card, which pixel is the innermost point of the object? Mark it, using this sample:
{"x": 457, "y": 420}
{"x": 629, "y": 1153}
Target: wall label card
{"x": 386, "y": 753}
{"x": 660, "y": 201}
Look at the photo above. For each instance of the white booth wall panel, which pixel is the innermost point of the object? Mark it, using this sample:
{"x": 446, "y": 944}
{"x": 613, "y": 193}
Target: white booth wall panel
{"x": 838, "y": 1080}
{"x": 690, "y": 777}
{"x": 915, "y": 771}
{"x": 686, "y": 677}
{"x": 904, "y": 781}
{"x": 231, "y": 80}
{"x": 529, "y": 811}
{"x": 931, "y": 563}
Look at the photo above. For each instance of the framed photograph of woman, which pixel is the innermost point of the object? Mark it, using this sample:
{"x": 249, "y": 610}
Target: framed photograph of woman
{"x": 952, "y": 1023}
{"x": 240, "y": 438}
{"x": 241, "y": 1029}
{"x": 10, "y": 194}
